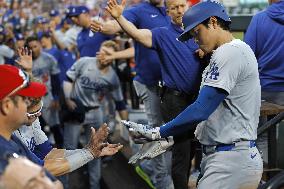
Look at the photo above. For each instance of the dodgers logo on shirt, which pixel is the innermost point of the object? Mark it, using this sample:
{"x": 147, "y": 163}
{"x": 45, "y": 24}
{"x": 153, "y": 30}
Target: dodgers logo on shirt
{"x": 31, "y": 144}
{"x": 213, "y": 72}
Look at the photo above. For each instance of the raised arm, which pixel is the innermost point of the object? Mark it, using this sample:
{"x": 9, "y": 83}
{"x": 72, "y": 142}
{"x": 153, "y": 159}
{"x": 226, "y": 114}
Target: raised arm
{"x": 143, "y": 36}
{"x": 109, "y": 27}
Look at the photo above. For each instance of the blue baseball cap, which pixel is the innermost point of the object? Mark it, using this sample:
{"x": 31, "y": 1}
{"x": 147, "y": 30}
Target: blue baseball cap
{"x": 53, "y": 13}
{"x": 19, "y": 36}
{"x": 199, "y": 13}
{"x": 77, "y": 10}
{"x": 67, "y": 20}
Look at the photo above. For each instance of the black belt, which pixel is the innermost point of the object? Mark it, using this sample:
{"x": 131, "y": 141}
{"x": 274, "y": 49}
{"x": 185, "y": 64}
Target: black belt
{"x": 177, "y": 92}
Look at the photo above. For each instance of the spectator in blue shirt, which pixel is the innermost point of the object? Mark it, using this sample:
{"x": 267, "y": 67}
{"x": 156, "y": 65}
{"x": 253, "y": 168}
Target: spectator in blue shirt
{"x": 146, "y": 15}
{"x": 181, "y": 73}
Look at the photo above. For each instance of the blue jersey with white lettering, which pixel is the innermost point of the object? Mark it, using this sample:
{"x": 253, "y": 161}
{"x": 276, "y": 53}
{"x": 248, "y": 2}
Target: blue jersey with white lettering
{"x": 180, "y": 66}
{"x": 147, "y": 16}
{"x": 89, "y": 43}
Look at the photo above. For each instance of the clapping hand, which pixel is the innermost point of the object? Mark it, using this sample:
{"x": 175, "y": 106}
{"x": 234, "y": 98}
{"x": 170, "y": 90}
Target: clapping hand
{"x": 25, "y": 59}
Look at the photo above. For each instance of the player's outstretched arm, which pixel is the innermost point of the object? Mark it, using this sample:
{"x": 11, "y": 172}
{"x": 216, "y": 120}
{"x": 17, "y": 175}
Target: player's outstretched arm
{"x": 207, "y": 102}
{"x": 143, "y": 36}
{"x": 109, "y": 27}
{"x": 61, "y": 161}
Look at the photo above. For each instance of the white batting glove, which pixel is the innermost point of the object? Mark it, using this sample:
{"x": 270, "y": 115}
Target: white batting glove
{"x": 157, "y": 148}
{"x": 142, "y": 131}
{"x": 152, "y": 149}
{"x": 133, "y": 159}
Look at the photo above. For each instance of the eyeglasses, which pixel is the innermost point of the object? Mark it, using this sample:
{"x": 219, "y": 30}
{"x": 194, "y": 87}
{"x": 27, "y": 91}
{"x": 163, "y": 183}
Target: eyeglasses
{"x": 25, "y": 83}
{"x": 37, "y": 113}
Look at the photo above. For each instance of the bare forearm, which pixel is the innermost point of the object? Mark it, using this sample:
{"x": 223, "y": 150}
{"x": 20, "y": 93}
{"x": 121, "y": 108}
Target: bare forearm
{"x": 58, "y": 43}
{"x": 123, "y": 114}
{"x": 124, "y": 54}
{"x": 57, "y": 167}
{"x": 110, "y": 27}
{"x": 67, "y": 88}
{"x": 59, "y": 163}
{"x": 143, "y": 36}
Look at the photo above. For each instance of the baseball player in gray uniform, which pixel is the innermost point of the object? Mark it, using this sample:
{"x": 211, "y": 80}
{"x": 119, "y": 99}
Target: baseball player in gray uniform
{"x": 228, "y": 105}
{"x": 89, "y": 80}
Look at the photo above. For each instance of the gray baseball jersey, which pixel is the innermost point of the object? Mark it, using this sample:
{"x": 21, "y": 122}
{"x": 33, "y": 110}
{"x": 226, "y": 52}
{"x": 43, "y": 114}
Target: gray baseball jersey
{"x": 237, "y": 116}
{"x": 43, "y": 67}
{"x": 90, "y": 84}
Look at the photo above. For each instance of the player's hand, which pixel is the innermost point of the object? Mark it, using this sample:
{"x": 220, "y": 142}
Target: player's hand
{"x": 111, "y": 149}
{"x": 157, "y": 148}
{"x": 54, "y": 105}
{"x": 105, "y": 55}
{"x": 115, "y": 9}
{"x": 152, "y": 149}
{"x": 142, "y": 131}
{"x": 71, "y": 105}
{"x": 96, "y": 142}
{"x": 200, "y": 53}
{"x": 25, "y": 60}
{"x": 96, "y": 26}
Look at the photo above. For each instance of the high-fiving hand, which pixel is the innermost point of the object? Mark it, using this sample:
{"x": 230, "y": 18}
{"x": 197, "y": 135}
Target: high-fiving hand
{"x": 25, "y": 60}
{"x": 115, "y": 9}
{"x": 97, "y": 139}
{"x": 142, "y": 131}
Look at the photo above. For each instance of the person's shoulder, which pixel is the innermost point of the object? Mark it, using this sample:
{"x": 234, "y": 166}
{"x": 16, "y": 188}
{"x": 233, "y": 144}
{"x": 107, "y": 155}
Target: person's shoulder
{"x": 47, "y": 56}
{"x": 229, "y": 50}
{"x": 138, "y": 8}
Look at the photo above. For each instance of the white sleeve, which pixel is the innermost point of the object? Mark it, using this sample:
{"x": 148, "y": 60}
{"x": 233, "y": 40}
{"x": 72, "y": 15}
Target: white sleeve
{"x": 39, "y": 136}
{"x": 224, "y": 68}
{"x": 6, "y": 51}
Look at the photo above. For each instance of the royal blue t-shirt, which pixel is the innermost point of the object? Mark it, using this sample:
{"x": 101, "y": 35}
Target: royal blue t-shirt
{"x": 180, "y": 66}
{"x": 55, "y": 52}
{"x": 147, "y": 16}
{"x": 89, "y": 43}
{"x": 65, "y": 59}
{"x": 14, "y": 145}
{"x": 265, "y": 35}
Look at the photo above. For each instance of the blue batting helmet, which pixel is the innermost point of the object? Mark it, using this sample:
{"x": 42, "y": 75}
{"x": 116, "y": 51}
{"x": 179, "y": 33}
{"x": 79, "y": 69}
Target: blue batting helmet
{"x": 199, "y": 13}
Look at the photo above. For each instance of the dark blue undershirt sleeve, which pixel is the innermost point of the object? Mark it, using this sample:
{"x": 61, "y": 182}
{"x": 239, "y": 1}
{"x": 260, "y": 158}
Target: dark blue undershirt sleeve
{"x": 42, "y": 150}
{"x": 120, "y": 105}
{"x": 55, "y": 86}
{"x": 207, "y": 102}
